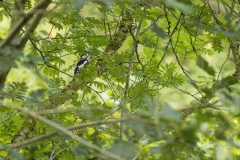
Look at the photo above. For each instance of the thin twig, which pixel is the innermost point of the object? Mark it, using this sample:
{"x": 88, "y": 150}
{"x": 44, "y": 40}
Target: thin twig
{"x": 232, "y": 7}
{"x": 169, "y": 33}
{"x": 136, "y": 50}
{"x": 60, "y": 55}
{"x": 54, "y": 149}
{"x": 134, "y": 47}
{"x": 11, "y": 115}
{"x": 224, "y": 63}
{"x": 45, "y": 62}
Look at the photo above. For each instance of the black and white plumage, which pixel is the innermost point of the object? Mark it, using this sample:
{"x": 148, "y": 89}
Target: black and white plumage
{"x": 81, "y": 63}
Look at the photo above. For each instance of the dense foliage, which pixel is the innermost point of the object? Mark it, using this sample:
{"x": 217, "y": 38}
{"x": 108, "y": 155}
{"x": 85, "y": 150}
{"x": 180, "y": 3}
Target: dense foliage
{"x": 162, "y": 82}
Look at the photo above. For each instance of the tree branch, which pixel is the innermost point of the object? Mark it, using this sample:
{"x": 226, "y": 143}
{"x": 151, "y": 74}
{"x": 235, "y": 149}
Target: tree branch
{"x": 35, "y": 21}
{"x": 67, "y": 132}
{"x": 18, "y": 26}
{"x": 48, "y": 135}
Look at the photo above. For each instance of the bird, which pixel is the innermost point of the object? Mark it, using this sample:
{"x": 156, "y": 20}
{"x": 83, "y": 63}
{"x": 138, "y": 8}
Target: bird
{"x": 81, "y": 63}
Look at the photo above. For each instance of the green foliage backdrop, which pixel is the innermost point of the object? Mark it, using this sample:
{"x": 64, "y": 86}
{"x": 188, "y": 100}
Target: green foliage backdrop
{"x": 162, "y": 82}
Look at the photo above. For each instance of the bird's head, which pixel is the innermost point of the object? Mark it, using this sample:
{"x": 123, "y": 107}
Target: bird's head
{"x": 85, "y": 56}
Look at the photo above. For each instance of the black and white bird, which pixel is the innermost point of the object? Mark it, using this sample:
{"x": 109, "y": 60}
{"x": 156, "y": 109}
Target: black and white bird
{"x": 81, "y": 63}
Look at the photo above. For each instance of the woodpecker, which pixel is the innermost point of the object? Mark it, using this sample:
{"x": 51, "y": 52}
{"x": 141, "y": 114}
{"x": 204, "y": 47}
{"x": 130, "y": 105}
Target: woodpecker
{"x": 81, "y": 63}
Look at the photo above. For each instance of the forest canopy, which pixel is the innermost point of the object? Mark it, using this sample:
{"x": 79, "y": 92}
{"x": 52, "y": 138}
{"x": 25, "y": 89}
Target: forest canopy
{"x": 161, "y": 82}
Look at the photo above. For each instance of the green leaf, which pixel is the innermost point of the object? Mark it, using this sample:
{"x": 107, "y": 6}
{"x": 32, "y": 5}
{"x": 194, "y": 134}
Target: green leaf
{"x": 80, "y": 4}
{"x": 227, "y": 81}
{"x": 203, "y": 64}
{"x": 1, "y": 16}
{"x": 169, "y": 113}
{"x": 124, "y": 149}
{"x": 208, "y": 92}
{"x": 151, "y": 105}
{"x": 158, "y": 31}
{"x": 15, "y": 90}
{"x": 182, "y": 5}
